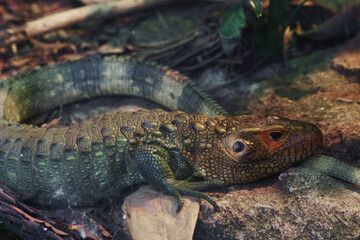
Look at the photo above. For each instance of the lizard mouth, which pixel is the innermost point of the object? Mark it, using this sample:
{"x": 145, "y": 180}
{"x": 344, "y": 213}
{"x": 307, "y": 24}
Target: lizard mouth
{"x": 300, "y": 146}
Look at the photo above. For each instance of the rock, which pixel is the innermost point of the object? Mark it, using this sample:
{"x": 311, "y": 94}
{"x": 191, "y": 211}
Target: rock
{"x": 310, "y": 90}
{"x": 213, "y": 77}
{"x": 348, "y": 59}
{"x": 303, "y": 204}
{"x": 152, "y": 215}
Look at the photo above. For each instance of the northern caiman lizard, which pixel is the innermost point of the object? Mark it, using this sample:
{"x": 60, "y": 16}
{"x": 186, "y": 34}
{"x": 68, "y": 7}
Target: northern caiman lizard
{"x": 80, "y": 164}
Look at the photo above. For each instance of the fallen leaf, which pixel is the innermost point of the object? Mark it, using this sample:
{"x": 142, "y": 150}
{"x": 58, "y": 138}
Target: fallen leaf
{"x": 152, "y": 215}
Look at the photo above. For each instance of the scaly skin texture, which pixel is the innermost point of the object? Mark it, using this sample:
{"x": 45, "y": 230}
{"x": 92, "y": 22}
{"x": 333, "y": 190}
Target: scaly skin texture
{"x": 51, "y": 86}
{"x": 79, "y": 165}
{"x": 335, "y": 168}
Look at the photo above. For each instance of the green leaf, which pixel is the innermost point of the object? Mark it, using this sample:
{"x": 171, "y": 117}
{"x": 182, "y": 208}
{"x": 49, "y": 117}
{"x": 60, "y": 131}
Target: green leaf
{"x": 256, "y": 5}
{"x": 233, "y": 19}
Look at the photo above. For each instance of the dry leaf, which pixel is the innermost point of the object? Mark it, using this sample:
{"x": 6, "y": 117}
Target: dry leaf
{"x": 152, "y": 215}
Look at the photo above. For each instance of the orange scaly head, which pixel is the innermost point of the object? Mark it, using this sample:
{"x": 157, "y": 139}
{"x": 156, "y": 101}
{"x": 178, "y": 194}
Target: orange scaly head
{"x": 247, "y": 148}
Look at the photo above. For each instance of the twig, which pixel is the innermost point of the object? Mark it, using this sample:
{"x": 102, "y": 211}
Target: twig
{"x": 72, "y": 16}
{"x": 153, "y": 55}
{"x": 201, "y": 64}
{"x": 160, "y": 44}
{"x": 192, "y": 53}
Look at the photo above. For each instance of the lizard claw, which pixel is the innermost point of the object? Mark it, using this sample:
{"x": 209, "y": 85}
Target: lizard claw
{"x": 180, "y": 206}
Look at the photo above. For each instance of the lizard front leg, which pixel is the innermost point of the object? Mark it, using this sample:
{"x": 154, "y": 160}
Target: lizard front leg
{"x": 152, "y": 161}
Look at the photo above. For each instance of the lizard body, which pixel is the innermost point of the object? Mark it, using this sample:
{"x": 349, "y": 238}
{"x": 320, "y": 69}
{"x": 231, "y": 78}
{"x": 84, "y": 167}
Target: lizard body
{"x": 80, "y": 164}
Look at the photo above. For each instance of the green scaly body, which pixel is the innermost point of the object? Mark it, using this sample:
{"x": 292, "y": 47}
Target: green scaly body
{"x": 80, "y": 164}
{"x": 51, "y": 86}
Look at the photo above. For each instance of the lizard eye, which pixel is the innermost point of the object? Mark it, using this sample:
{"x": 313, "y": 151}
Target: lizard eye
{"x": 235, "y": 147}
{"x": 276, "y": 136}
{"x": 238, "y": 147}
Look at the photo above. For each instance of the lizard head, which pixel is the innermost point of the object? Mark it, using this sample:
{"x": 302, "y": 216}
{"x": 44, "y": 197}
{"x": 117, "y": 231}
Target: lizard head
{"x": 247, "y": 148}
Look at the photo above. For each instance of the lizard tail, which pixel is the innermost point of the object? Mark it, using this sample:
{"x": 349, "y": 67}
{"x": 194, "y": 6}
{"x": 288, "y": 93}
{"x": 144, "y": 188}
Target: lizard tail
{"x": 55, "y": 85}
{"x": 335, "y": 168}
